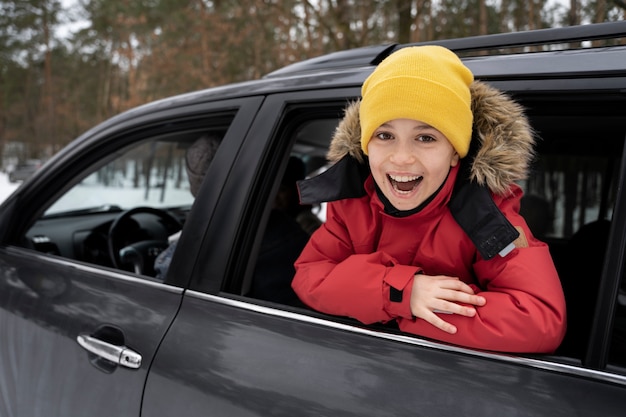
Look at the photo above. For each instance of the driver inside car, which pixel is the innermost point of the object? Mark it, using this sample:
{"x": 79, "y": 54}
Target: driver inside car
{"x": 197, "y": 161}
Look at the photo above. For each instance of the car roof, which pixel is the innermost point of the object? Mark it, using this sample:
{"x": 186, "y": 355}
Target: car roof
{"x": 551, "y": 39}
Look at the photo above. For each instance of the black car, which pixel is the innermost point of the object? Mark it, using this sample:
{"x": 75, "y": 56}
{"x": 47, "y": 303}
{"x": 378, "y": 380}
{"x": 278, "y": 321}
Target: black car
{"x": 88, "y": 329}
{"x": 24, "y": 170}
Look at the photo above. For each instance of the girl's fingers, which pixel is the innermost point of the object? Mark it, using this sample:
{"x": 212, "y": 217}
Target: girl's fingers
{"x": 453, "y": 308}
{"x": 441, "y": 324}
{"x": 456, "y": 285}
{"x": 442, "y": 294}
{"x": 461, "y": 297}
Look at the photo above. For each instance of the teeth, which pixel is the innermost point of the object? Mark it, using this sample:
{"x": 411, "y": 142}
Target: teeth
{"x": 404, "y": 178}
{"x": 404, "y": 184}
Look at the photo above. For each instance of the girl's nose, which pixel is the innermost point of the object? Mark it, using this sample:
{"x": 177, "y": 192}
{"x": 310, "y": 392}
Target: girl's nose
{"x": 402, "y": 153}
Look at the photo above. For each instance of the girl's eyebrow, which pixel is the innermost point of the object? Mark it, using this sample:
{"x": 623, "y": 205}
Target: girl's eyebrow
{"x": 426, "y": 126}
{"x": 422, "y": 125}
{"x": 419, "y": 127}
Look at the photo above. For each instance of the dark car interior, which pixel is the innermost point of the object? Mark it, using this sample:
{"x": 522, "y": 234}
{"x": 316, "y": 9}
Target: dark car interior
{"x": 576, "y": 172}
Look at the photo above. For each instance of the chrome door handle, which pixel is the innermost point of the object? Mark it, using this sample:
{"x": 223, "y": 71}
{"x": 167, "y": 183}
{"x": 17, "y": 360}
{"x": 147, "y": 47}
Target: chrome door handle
{"x": 120, "y": 355}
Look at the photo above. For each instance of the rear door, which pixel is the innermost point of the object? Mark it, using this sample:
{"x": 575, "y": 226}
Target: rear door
{"x": 77, "y": 335}
{"x": 233, "y": 352}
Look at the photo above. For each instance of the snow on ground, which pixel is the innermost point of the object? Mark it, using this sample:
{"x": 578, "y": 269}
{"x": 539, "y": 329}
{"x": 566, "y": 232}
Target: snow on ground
{"x": 90, "y": 194}
{"x": 6, "y": 187}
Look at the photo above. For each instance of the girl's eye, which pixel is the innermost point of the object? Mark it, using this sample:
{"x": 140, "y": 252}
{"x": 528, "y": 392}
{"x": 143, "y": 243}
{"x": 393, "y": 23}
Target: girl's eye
{"x": 426, "y": 138}
{"x": 383, "y": 136}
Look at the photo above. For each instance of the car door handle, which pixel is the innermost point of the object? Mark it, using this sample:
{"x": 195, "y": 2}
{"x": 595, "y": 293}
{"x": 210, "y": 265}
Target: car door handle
{"x": 120, "y": 355}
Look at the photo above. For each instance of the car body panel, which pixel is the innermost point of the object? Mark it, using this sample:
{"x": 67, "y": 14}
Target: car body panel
{"x": 46, "y": 303}
{"x": 254, "y": 360}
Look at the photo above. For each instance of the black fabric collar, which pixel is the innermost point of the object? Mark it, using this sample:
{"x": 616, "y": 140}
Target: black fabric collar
{"x": 345, "y": 179}
{"x": 471, "y": 204}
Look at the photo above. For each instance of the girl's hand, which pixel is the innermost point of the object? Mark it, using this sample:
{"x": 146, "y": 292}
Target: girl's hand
{"x": 442, "y": 294}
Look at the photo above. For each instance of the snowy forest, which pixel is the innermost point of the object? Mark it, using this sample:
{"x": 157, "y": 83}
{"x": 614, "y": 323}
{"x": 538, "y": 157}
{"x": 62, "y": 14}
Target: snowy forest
{"x": 68, "y": 65}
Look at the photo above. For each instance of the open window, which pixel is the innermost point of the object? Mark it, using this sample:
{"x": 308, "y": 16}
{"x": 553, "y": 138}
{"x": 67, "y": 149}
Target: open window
{"x": 279, "y": 227}
{"x": 130, "y": 203}
{"x": 570, "y": 199}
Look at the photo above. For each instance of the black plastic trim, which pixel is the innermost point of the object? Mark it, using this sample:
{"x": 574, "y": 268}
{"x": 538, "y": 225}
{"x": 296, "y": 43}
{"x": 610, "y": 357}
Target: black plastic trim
{"x": 569, "y": 34}
{"x": 373, "y": 55}
{"x": 612, "y": 274}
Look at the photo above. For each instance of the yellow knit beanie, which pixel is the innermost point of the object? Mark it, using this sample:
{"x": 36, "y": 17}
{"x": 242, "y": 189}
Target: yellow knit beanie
{"x": 425, "y": 83}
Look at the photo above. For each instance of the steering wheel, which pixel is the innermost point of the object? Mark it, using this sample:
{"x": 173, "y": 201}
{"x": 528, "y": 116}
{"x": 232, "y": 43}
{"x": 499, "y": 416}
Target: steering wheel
{"x": 140, "y": 255}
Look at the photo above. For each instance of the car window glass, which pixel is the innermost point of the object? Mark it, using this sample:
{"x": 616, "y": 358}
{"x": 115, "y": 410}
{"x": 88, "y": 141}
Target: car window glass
{"x": 151, "y": 173}
{"x": 566, "y": 192}
{"x": 127, "y": 210}
{"x": 570, "y": 197}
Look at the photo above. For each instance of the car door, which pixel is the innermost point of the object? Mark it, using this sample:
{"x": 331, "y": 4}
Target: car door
{"x": 77, "y": 334}
{"x": 255, "y": 356}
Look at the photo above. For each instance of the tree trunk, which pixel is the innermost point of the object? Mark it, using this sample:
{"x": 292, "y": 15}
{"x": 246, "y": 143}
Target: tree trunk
{"x": 482, "y": 24}
{"x": 403, "y": 8}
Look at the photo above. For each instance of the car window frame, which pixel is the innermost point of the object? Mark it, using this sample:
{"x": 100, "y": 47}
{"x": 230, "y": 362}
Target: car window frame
{"x": 613, "y": 274}
{"x": 196, "y": 234}
{"x": 251, "y": 182}
{"x": 613, "y": 269}
{"x": 284, "y": 101}
{"x": 104, "y": 142}
{"x": 216, "y": 276}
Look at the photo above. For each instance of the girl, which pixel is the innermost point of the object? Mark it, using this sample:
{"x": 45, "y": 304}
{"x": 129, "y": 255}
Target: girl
{"x": 392, "y": 248}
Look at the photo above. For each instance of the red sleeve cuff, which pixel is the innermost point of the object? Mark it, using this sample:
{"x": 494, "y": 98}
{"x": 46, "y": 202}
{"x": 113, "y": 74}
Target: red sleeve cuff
{"x": 397, "y": 291}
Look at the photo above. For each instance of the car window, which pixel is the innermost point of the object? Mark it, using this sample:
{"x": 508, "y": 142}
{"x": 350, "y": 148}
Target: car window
{"x": 127, "y": 209}
{"x": 151, "y": 173}
{"x": 569, "y": 201}
{"x": 290, "y": 224}
{"x": 570, "y": 197}
{"x": 574, "y": 190}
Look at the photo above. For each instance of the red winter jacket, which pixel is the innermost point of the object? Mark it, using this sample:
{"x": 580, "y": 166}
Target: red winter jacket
{"x": 352, "y": 261}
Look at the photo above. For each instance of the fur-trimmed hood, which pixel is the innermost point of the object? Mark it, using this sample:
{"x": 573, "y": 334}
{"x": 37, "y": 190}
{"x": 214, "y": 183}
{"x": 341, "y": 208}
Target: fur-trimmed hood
{"x": 506, "y": 140}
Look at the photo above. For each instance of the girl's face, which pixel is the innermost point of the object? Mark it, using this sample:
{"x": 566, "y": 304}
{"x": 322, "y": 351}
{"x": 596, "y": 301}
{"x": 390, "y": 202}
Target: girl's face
{"x": 409, "y": 161}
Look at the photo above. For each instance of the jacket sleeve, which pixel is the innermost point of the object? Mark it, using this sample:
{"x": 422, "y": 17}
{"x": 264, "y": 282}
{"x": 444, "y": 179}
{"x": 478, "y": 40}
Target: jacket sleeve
{"x": 525, "y": 309}
{"x": 335, "y": 277}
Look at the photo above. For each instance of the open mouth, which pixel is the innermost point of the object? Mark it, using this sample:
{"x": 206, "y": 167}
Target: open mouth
{"x": 404, "y": 184}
